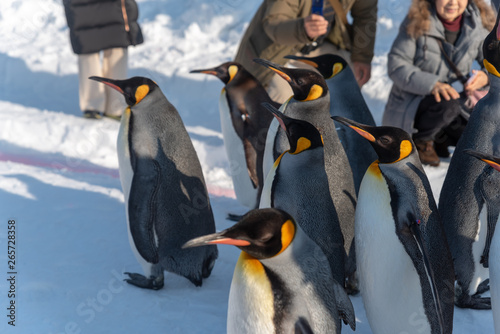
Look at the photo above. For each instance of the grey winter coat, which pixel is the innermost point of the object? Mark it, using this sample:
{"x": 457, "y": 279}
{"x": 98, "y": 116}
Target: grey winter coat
{"x": 96, "y": 25}
{"x": 415, "y": 65}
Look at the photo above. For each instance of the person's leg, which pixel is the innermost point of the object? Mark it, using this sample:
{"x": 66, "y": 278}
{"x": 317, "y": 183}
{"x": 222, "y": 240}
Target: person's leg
{"x": 114, "y": 66}
{"x": 91, "y": 93}
{"x": 430, "y": 120}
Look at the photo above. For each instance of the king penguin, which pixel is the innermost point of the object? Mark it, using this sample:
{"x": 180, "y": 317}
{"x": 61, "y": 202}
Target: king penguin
{"x": 244, "y": 124}
{"x": 346, "y": 101}
{"x": 311, "y": 103}
{"x": 282, "y": 278}
{"x": 468, "y": 201}
{"x": 404, "y": 265}
{"x": 494, "y": 162}
{"x": 298, "y": 184}
{"x": 166, "y": 198}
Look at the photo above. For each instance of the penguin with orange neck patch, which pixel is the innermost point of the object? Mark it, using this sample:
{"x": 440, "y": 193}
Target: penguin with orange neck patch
{"x": 494, "y": 163}
{"x": 281, "y": 278}
{"x": 346, "y": 101}
{"x": 468, "y": 202}
{"x": 298, "y": 184}
{"x": 311, "y": 102}
{"x": 404, "y": 265}
{"x": 244, "y": 124}
{"x": 166, "y": 198}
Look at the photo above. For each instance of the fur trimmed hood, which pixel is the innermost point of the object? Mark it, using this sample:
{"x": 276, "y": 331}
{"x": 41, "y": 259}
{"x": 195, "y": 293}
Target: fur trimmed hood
{"x": 420, "y": 11}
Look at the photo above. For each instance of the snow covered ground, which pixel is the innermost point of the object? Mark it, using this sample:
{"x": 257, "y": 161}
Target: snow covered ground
{"x": 59, "y": 178}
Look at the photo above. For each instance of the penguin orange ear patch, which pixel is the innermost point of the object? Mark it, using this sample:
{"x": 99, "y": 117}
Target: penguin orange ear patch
{"x": 233, "y": 69}
{"x": 302, "y": 145}
{"x": 405, "y": 148}
{"x": 141, "y": 92}
{"x": 337, "y": 68}
{"x": 287, "y": 234}
{"x": 491, "y": 68}
{"x": 315, "y": 92}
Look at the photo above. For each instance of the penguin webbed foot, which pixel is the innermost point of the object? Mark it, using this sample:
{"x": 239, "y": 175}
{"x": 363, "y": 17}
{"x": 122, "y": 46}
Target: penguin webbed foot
{"x": 483, "y": 287}
{"x": 475, "y": 302}
{"x": 141, "y": 281}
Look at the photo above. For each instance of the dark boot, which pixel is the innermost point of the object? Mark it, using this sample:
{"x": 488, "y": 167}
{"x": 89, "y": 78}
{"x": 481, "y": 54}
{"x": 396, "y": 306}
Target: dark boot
{"x": 426, "y": 153}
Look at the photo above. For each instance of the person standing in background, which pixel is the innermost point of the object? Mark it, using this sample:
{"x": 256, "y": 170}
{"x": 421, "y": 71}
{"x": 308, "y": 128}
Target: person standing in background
{"x": 100, "y": 32}
{"x": 287, "y": 27}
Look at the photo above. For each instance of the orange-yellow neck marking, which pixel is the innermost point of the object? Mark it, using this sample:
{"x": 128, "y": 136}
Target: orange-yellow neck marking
{"x": 314, "y": 93}
{"x": 491, "y": 68}
{"x": 141, "y": 92}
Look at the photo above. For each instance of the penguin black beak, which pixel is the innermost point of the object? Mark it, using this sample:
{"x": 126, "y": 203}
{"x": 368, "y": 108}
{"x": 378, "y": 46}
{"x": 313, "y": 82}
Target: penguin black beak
{"x": 277, "y": 114}
{"x": 211, "y": 71}
{"x": 361, "y": 129}
{"x": 280, "y": 70}
{"x": 488, "y": 158}
{"x": 109, "y": 82}
{"x": 215, "y": 238}
{"x": 305, "y": 60}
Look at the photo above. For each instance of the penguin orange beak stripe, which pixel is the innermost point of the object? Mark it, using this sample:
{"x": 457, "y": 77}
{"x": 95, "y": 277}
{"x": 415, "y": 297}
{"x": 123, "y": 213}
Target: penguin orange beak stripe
{"x": 229, "y": 241}
{"x": 363, "y": 133}
{"x": 303, "y": 60}
{"x": 355, "y": 126}
{"x": 275, "y": 67}
{"x": 276, "y": 113}
{"x": 209, "y": 71}
{"x": 107, "y": 83}
{"x": 216, "y": 238}
{"x": 488, "y": 158}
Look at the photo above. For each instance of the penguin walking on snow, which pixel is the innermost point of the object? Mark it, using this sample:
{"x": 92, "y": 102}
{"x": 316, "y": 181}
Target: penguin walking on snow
{"x": 346, "y": 101}
{"x": 311, "y": 103}
{"x": 494, "y": 162}
{"x": 468, "y": 201}
{"x": 244, "y": 124}
{"x": 404, "y": 265}
{"x": 165, "y": 194}
{"x": 281, "y": 280}
{"x": 298, "y": 184}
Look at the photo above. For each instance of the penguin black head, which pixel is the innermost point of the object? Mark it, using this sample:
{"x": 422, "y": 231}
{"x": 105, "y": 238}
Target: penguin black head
{"x": 225, "y": 72}
{"x": 134, "y": 89}
{"x": 329, "y": 65}
{"x": 488, "y": 158}
{"x": 491, "y": 50}
{"x": 262, "y": 233}
{"x": 391, "y": 144}
{"x": 301, "y": 135}
{"x": 307, "y": 85}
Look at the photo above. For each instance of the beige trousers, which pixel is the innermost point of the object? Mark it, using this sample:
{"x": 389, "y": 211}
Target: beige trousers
{"x": 279, "y": 90}
{"x": 95, "y": 95}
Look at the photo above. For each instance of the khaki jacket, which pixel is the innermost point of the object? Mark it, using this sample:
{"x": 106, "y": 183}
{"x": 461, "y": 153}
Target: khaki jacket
{"x": 277, "y": 30}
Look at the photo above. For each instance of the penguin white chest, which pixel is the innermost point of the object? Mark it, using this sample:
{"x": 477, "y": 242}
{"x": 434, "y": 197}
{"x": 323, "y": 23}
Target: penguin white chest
{"x": 126, "y": 176}
{"x": 480, "y": 272}
{"x": 250, "y": 307}
{"x": 389, "y": 282}
{"x": 244, "y": 189}
{"x": 494, "y": 262}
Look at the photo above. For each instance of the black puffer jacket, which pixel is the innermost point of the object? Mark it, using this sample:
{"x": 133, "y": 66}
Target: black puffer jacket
{"x": 96, "y": 25}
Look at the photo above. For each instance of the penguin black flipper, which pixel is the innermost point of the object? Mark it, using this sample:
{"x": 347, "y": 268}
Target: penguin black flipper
{"x": 251, "y": 157}
{"x": 491, "y": 196}
{"x": 344, "y": 306}
{"x": 141, "y": 214}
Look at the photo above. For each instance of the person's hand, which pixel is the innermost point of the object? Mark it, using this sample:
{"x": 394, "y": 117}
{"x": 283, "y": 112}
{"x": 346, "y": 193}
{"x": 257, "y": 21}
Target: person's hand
{"x": 477, "y": 80}
{"x": 444, "y": 90}
{"x": 315, "y": 26}
{"x": 362, "y": 72}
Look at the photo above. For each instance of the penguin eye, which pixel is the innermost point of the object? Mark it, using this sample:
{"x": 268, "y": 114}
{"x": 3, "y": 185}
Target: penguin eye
{"x": 300, "y": 82}
{"x": 384, "y": 140}
{"x": 265, "y": 238}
